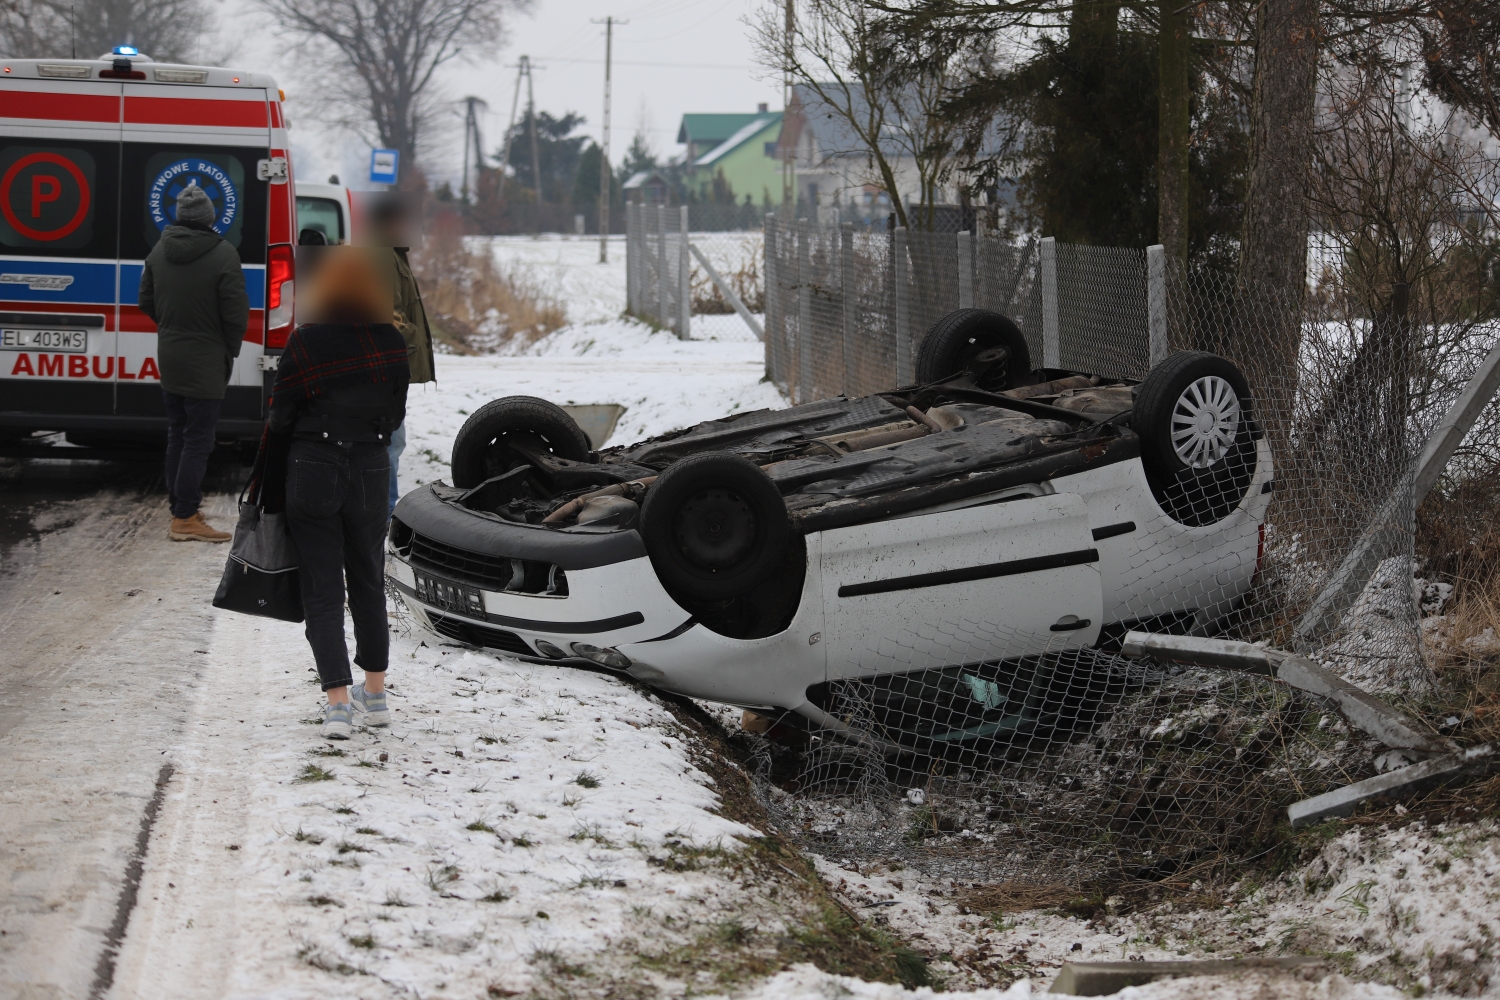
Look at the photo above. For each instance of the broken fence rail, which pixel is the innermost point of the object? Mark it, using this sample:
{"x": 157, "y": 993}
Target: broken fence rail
{"x": 1362, "y": 710}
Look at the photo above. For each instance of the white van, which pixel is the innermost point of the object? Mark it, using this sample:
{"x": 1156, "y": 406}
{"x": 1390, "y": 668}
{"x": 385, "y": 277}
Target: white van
{"x": 326, "y": 209}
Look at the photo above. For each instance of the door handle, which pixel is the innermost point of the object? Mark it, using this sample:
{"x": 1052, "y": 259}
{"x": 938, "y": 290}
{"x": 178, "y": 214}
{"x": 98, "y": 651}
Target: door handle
{"x": 1071, "y": 623}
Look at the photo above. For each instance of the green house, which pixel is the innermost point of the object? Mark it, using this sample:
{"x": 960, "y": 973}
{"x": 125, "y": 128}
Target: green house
{"x": 732, "y": 155}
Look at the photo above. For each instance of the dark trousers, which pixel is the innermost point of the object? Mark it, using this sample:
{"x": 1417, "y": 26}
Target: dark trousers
{"x": 190, "y": 438}
{"x": 336, "y": 510}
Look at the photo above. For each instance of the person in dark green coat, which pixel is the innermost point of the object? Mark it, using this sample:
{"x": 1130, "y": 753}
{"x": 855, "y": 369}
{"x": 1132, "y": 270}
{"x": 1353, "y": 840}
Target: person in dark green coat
{"x": 194, "y": 289}
{"x": 390, "y": 226}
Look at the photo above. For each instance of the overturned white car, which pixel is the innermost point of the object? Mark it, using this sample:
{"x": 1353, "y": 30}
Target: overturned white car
{"x": 982, "y": 521}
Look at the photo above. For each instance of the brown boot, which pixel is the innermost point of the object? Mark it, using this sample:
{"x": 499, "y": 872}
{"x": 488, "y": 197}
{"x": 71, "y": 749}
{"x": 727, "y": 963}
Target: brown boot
{"x": 195, "y": 529}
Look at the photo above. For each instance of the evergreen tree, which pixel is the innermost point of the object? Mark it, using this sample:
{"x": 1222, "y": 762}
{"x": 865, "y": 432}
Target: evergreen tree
{"x": 558, "y": 152}
{"x": 586, "y": 183}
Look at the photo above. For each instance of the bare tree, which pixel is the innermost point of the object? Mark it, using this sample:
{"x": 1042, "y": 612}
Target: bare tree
{"x": 382, "y": 57}
{"x": 857, "y": 71}
{"x": 166, "y": 30}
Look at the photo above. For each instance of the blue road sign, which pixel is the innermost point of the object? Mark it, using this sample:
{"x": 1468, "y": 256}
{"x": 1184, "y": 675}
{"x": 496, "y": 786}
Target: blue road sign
{"x": 383, "y": 165}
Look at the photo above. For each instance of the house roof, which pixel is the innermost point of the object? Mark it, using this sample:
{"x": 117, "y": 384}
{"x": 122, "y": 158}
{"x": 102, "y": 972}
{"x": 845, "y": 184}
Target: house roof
{"x": 642, "y": 179}
{"x": 757, "y": 125}
{"x": 709, "y": 130}
{"x": 837, "y": 139}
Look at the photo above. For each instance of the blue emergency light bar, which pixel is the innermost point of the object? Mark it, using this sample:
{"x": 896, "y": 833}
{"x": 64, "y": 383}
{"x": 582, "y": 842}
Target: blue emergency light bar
{"x": 126, "y": 50}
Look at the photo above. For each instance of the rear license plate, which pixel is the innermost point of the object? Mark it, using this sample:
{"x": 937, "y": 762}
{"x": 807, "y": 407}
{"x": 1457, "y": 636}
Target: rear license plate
{"x": 62, "y": 341}
{"x": 448, "y": 595}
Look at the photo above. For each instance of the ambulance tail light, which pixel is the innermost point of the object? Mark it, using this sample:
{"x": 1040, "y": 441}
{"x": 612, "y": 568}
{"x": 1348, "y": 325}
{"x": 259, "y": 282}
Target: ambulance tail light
{"x": 280, "y": 270}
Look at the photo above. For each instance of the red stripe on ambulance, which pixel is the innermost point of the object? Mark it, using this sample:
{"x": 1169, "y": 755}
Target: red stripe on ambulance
{"x": 61, "y": 107}
{"x": 183, "y": 111}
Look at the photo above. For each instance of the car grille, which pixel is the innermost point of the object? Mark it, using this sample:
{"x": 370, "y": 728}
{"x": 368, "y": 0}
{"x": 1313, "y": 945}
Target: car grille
{"x": 485, "y": 572}
{"x": 496, "y": 573}
{"x": 478, "y": 635}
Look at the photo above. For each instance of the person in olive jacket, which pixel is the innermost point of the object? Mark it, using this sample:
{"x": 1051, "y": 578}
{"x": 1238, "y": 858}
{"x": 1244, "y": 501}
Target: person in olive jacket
{"x": 194, "y": 289}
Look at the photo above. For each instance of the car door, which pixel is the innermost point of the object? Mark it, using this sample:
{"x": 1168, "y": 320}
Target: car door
{"x": 59, "y": 187}
{"x": 992, "y": 581}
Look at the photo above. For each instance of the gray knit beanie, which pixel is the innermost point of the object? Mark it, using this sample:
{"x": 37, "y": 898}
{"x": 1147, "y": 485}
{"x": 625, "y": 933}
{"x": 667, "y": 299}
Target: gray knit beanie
{"x": 193, "y": 206}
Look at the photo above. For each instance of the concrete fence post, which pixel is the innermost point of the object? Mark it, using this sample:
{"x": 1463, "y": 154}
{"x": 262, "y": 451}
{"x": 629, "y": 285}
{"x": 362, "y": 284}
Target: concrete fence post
{"x": 685, "y": 278}
{"x": 661, "y": 266}
{"x": 804, "y": 312}
{"x": 1156, "y": 303}
{"x": 1051, "y": 321}
{"x": 965, "y": 270}
{"x": 631, "y": 264}
{"x": 775, "y": 337}
{"x": 848, "y": 303}
{"x": 904, "y": 373}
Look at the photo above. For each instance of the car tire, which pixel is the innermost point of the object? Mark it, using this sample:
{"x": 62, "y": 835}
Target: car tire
{"x": 715, "y": 526}
{"x": 1197, "y": 428}
{"x": 952, "y": 345}
{"x": 480, "y": 451}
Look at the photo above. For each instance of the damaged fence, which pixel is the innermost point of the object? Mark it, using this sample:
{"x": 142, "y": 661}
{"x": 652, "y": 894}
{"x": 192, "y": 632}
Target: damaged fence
{"x": 984, "y": 760}
{"x": 694, "y": 271}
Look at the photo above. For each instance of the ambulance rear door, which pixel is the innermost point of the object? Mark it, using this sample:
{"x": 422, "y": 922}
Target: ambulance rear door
{"x": 59, "y": 203}
{"x": 217, "y": 138}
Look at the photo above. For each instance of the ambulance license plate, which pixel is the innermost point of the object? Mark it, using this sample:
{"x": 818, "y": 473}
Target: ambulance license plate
{"x": 61, "y": 341}
{"x": 448, "y": 595}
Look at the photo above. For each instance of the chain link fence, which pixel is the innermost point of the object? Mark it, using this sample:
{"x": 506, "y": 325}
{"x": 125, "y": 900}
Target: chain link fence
{"x": 998, "y": 753}
{"x": 707, "y": 286}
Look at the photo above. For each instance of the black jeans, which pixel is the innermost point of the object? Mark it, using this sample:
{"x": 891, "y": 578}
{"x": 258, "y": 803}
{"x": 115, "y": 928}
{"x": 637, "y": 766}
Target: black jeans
{"x": 190, "y": 438}
{"x": 336, "y": 509}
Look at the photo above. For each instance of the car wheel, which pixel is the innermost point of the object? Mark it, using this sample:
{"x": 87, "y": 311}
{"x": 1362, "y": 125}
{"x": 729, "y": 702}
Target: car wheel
{"x": 968, "y": 340}
{"x": 1194, "y": 416}
{"x": 483, "y": 447}
{"x": 714, "y": 526}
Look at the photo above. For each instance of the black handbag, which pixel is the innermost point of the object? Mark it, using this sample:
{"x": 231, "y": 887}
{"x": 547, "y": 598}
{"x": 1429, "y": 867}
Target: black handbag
{"x": 260, "y": 576}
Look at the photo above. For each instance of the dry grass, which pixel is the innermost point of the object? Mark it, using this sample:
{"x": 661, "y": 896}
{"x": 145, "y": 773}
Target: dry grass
{"x": 740, "y": 266}
{"x": 473, "y": 304}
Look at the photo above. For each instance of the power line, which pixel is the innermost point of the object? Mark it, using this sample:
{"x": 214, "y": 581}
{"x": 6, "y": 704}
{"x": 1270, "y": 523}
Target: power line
{"x": 660, "y": 65}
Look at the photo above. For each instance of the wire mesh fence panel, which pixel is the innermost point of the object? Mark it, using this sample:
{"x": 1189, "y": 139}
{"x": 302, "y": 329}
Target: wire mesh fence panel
{"x": 1269, "y": 498}
{"x": 658, "y": 275}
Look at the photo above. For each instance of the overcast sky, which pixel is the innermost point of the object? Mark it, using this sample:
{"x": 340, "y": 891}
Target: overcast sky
{"x": 673, "y": 57}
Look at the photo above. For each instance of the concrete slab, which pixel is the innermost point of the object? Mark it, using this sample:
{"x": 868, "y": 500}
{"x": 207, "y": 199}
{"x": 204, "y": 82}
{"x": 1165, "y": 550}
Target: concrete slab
{"x": 1399, "y": 783}
{"x": 1097, "y": 979}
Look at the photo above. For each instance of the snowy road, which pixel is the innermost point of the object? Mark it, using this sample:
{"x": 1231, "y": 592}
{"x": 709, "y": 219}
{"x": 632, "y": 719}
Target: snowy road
{"x": 100, "y": 642}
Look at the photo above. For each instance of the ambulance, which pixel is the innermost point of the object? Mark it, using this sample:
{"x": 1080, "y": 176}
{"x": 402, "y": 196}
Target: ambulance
{"x": 92, "y": 156}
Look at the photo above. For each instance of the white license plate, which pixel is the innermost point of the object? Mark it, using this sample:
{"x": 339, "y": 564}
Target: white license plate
{"x": 62, "y": 341}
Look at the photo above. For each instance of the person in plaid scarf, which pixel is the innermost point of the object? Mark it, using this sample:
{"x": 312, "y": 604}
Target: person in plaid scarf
{"x": 340, "y": 391}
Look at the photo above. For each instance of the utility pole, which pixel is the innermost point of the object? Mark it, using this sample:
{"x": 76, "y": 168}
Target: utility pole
{"x": 523, "y": 68}
{"x": 609, "y": 40}
{"x": 536, "y": 162}
{"x": 788, "y": 144}
{"x": 472, "y": 138}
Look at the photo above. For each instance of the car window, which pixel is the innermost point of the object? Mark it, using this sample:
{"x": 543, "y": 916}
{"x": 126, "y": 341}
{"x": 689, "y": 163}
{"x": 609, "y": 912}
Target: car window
{"x": 323, "y": 215}
{"x": 57, "y": 200}
{"x": 153, "y": 175}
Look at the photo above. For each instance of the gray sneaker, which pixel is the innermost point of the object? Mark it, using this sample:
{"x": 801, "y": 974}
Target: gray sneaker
{"x": 336, "y": 722}
{"x": 371, "y": 706}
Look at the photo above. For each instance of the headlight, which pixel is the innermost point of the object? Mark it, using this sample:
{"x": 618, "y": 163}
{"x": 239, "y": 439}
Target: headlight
{"x": 548, "y": 649}
{"x": 605, "y": 657}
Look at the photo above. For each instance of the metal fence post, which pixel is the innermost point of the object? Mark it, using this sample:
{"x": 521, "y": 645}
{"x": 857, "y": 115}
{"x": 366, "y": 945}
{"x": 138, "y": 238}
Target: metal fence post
{"x": 1051, "y": 323}
{"x": 1156, "y": 303}
{"x": 804, "y": 311}
{"x": 904, "y": 373}
{"x": 685, "y": 275}
{"x": 849, "y": 299}
{"x": 965, "y": 270}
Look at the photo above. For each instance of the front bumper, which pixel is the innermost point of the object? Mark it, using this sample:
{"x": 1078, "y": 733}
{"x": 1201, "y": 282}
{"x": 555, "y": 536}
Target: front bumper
{"x": 614, "y": 601}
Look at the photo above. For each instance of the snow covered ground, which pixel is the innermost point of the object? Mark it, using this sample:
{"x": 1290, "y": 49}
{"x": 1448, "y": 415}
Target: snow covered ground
{"x": 663, "y": 383}
{"x": 538, "y": 831}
